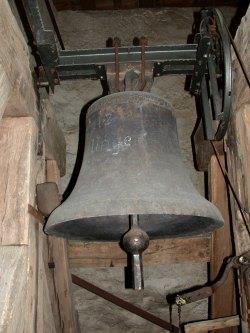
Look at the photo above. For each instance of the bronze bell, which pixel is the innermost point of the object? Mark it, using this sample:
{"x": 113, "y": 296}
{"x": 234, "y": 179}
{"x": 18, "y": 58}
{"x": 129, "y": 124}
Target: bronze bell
{"x": 132, "y": 167}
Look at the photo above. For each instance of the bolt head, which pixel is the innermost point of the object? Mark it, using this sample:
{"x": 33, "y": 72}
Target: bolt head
{"x": 180, "y": 301}
{"x": 243, "y": 260}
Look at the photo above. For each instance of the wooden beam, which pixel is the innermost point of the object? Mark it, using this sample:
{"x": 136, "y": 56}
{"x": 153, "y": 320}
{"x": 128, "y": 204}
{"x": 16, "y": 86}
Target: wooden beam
{"x": 22, "y": 262}
{"x": 238, "y": 159}
{"x": 13, "y": 272}
{"x": 215, "y": 324}
{"x": 18, "y": 142}
{"x": 5, "y": 90}
{"x": 54, "y": 141}
{"x": 223, "y": 299}
{"x": 203, "y": 149}
{"x": 161, "y": 251}
{"x": 129, "y": 4}
{"x": 62, "y": 276}
{"x": 14, "y": 58}
{"x": 186, "y": 3}
{"x": 48, "y": 311}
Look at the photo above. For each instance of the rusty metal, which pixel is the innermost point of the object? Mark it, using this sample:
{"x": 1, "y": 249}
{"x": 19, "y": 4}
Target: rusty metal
{"x": 132, "y": 76}
{"x": 143, "y": 43}
{"x": 132, "y": 165}
{"x": 124, "y": 304}
{"x": 117, "y": 44}
{"x": 237, "y": 262}
{"x": 36, "y": 214}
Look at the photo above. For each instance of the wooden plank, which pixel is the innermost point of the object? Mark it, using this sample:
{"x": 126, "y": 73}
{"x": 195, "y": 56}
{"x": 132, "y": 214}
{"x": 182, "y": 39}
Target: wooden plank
{"x": 203, "y": 149}
{"x": 13, "y": 271}
{"x": 238, "y": 158}
{"x": 54, "y": 141}
{"x": 14, "y": 59}
{"x": 161, "y": 251}
{"x": 18, "y": 141}
{"x": 48, "y": 315}
{"x": 186, "y": 3}
{"x": 30, "y": 300}
{"x": 62, "y": 276}
{"x": 128, "y": 4}
{"x": 104, "y": 4}
{"x": 28, "y": 288}
{"x": 63, "y": 4}
{"x": 5, "y": 90}
{"x": 215, "y": 324}
{"x": 223, "y": 299}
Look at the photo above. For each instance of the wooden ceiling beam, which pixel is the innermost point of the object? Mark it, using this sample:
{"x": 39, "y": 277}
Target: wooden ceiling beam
{"x": 130, "y": 4}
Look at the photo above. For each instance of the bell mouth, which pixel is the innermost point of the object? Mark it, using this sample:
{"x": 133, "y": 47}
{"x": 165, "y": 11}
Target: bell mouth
{"x": 112, "y": 228}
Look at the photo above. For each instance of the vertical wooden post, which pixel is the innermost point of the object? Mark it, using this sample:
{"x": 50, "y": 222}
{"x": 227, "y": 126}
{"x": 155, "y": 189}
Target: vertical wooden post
{"x": 62, "y": 276}
{"x": 223, "y": 300}
{"x": 238, "y": 160}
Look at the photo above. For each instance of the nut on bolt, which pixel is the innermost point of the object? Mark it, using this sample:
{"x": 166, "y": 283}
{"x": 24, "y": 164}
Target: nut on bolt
{"x": 180, "y": 301}
{"x": 243, "y": 260}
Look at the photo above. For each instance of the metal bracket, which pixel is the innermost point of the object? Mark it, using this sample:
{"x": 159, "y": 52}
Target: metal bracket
{"x": 44, "y": 40}
{"x": 200, "y": 67}
{"x": 207, "y": 60}
{"x": 184, "y": 297}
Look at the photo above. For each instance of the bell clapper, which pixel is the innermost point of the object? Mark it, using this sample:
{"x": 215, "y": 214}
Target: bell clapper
{"x": 135, "y": 241}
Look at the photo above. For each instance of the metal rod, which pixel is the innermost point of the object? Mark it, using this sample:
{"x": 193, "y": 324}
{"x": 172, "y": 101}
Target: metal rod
{"x": 117, "y": 43}
{"x": 143, "y": 43}
{"x": 136, "y": 259}
{"x": 55, "y": 25}
{"x": 217, "y": 103}
{"x": 206, "y": 114}
{"x": 137, "y": 271}
{"x": 123, "y": 304}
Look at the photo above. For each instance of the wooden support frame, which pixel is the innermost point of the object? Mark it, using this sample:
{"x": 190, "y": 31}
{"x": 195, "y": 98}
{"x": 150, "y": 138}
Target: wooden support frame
{"x": 129, "y": 4}
{"x": 31, "y": 287}
{"x": 238, "y": 159}
{"x": 35, "y": 298}
{"x": 62, "y": 276}
{"x": 18, "y": 164}
{"x": 159, "y": 252}
{"x": 223, "y": 299}
{"x": 17, "y": 97}
{"x": 213, "y": 325}
{"x": 53, "y": 137}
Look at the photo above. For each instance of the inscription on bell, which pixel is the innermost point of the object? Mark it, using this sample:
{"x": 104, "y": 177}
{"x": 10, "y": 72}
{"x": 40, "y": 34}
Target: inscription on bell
{"x": 99, "y": 144}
